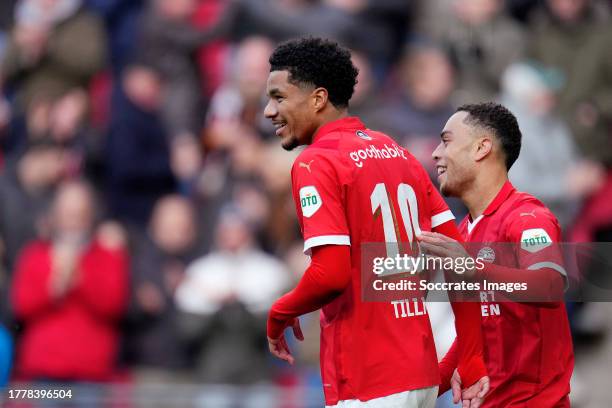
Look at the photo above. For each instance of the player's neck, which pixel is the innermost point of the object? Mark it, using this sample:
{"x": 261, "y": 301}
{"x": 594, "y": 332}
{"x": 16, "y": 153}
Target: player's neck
{"x": 330, "y": 116}
{"x": 483, "y": 191}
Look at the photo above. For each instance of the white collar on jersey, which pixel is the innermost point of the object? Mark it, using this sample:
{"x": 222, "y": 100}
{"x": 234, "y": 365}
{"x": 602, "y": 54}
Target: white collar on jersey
{"x": 471, "y": 225}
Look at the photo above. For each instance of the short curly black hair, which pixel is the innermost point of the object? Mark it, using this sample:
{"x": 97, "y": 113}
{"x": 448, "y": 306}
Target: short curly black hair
{"x": 319, "y": 62}
{"x": 498, "y": 119}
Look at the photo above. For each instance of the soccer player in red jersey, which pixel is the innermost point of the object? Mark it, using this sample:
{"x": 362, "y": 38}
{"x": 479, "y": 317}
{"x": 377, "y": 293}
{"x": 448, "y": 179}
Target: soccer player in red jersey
{"x": 528, "y": 346}
{"x": 353, "y": 185}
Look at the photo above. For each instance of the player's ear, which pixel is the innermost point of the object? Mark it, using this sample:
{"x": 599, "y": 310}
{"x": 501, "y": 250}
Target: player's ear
{"x": 484, "y": 146}
{"x": 319, "y": 98}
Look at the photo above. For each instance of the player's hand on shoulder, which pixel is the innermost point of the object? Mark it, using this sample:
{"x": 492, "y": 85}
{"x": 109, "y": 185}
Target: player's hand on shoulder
{"x": 439, "y": 245}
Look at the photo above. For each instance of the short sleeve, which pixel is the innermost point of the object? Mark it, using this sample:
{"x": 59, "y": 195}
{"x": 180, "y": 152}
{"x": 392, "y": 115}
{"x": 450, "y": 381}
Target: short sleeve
{"x": 319, "y": 200}
{"x": 440, "y": 213}
{"x": 537, "y": 234}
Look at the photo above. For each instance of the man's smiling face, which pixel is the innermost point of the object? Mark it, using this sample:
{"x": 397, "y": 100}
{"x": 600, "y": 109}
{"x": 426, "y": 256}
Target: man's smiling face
{"x": 291, "y": 109}
{"x": 455, "y": 164}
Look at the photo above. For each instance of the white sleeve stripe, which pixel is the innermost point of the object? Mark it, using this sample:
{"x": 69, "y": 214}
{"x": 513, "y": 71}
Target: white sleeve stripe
{"x": 551, "y": 265}
{"x": 326, "y": 240}
{"x": 554, "y": 266}
{"x": 441, "y": 218}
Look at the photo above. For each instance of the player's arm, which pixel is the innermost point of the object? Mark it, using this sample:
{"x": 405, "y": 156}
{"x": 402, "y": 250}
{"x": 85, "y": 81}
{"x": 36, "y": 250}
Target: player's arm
{"x": 468, "y": 356}
{"x": 317, "y": 193}
{"x": 327, "y": 276}
{"x": 532, "y": 237}
{"x": 545, "y": 285}
{"x": 450, "y": 361}
{"x": 535, "y": 235}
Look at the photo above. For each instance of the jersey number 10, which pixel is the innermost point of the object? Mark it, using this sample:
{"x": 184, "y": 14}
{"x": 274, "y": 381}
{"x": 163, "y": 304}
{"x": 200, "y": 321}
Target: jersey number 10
{"x": 409, "y": 209}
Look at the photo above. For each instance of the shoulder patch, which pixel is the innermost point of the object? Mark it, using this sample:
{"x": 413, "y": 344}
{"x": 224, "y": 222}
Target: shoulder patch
{"x": 535, "y": 239}
{"x": 310, "y": 200}
{"x": 363, "y": 135}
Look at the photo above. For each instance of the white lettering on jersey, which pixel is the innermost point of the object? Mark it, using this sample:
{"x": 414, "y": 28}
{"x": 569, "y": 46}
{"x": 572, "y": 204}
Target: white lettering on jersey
{"x": 373, "y": 152}
{"x": 409, "y": 307}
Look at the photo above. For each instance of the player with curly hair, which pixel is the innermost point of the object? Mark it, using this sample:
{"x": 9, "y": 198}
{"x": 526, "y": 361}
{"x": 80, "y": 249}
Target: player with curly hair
{"x": 353, "y": 185}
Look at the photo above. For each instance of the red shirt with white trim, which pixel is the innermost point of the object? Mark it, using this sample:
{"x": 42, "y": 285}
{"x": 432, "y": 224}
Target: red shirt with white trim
{"x": 351, "y": 186}
{"x": 527, "y": 348}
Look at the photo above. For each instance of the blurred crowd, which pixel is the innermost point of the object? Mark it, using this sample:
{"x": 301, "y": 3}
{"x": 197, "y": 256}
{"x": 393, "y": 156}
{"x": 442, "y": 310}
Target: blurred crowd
{"x": 146, "y": 217}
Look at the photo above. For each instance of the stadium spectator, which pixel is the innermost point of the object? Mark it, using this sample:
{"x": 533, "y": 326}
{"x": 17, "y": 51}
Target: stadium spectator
{"x": 478, "y": 35}
{"x": 168, "y": 43}
{"x": 368, "y": 98}
{"x": 54, "y": 47}
{"x": 235, "y": 108}
{"x": 233, "y": 136}
{"x": 122, "y": 21}
{"x": 416, "y": 115}
{"x": 224, "y": 299}
{"x": 278, "y": 221}
{"x": 574, "y": 37}
{"x": 137, "y": 154}
{"x": 26, "y": 189}
{"x": 528, "y": 92}
{"x": 62, "y": 121}
{"x": 158, "y": 267}
{"x": 418, "y": 109}
{"x": 377, "y": 26}
{"x": 69, "y": 292}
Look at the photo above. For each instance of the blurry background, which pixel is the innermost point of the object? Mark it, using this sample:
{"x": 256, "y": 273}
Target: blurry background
{"x": 146, "y": 218}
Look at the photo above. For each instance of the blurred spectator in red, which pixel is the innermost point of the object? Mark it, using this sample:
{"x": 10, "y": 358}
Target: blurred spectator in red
{"x": 55, "y": 46}
{"x": 212, "y": 57}
{"x": 224, "y": 299}
{"x": 137, "y": 156}
{"x": 26, "y": 189}
{"x": 574, "y": 36}
{"x": 69, "y": 292}
{"x": 158, "y": 267}
{"x": 482, "y": 41}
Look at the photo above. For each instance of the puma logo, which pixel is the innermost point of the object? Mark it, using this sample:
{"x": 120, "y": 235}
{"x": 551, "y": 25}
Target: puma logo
{"x": 523, "y": 214}
{"x": 306, "y": 166}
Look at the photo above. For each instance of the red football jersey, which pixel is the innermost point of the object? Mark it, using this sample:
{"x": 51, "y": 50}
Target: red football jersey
{"x": 351, "y": 186}
{"x": 528, "y": 348}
